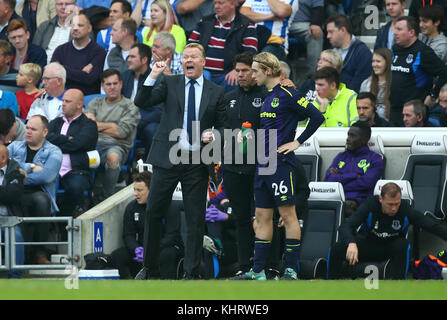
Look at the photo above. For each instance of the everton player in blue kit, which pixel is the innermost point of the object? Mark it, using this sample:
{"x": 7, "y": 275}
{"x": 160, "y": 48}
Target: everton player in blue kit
{"x": 280, "y": 113}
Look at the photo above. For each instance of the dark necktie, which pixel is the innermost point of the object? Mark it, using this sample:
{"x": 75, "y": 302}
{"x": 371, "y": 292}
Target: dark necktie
{"x": 191, "y": 109}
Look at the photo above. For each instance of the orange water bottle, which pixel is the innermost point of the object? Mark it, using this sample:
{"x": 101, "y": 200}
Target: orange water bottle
{"x": 244, "y": 129}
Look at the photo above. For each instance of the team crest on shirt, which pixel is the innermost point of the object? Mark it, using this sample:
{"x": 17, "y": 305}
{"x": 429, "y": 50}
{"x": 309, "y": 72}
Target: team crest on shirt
{"x": 275, "y": 103}
{"x": 257, "y": 102}
{"x": 409, "y": 59}
{"x": 232, "y": 103}
{"x": 395, "y": 225}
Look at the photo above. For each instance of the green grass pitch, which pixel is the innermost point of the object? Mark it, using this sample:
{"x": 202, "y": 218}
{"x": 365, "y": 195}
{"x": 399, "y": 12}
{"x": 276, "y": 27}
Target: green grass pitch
{"x": 26, "y": 289}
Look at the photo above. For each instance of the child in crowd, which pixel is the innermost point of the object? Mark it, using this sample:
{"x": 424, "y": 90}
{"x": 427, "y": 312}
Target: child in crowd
{"x": 28, "y": 77}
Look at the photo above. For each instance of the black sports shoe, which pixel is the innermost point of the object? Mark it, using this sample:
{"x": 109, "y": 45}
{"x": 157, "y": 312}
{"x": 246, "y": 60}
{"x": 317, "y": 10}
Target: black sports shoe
{"x": 142, "y": 274}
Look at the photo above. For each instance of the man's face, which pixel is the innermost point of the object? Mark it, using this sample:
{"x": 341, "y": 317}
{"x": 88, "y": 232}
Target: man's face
{"x": 193, "y": 63}
{"x": 134, "y": 60}
{"x": 35, "y": 133}
{"x": 443, "y": 99}
{"x": 4, "y": 9}
{"x": 10, "y": 136}
{"x": 71, "y": 106}
{"x": 244, "y": 75}
{"x": 410, "y": 118}
{"x": 64, "y": 8}
{"x": 355, "y": 139}
{"x": 51, "y": 83}
{"x": 365, "y": 109}
{"x": 224, "y": 8}
{"x": 259, "y": 74}
{"x": 18, "y": 38}
{"x": 402, "y": 36}
{"x": 324, "y": 88}
{"x": 140, "y": 191}
{"x": 4, "y": 61}
{"x": 116, "y": 11}
{"x": 390, "y": 205}
{"x": 335, "y": 36}
{"x": 394, "y": 8}
{"x": 117, "y": 33}
{"x": 81, "y": 28}
{"x": 158, "y": 52}
{"x": 427, "y": 26}
{"x": 112, "y": 87}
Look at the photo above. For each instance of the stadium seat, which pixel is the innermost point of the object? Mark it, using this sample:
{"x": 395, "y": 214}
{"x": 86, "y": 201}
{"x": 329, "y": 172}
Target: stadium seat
{"x": 425, "y": 169}
{"x": 375, "y": 144}
{"x": 309, "y": 155}
{"x": 90, "y": 97}
{"x": 320, "y": 230}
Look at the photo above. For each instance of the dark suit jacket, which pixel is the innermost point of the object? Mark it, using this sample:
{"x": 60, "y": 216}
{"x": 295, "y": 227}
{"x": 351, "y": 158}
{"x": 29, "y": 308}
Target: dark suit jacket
{"x": 171, "y": 91}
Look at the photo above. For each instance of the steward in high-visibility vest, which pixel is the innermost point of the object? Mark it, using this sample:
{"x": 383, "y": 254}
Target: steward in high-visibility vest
{"x": 336, "y": 102}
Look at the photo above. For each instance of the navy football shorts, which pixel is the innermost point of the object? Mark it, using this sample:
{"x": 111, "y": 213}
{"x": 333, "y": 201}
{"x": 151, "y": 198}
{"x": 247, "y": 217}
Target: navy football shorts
{"x": 277, "y": 189}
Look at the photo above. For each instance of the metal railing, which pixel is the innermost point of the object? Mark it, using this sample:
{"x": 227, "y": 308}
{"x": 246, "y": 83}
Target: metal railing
{"x": 8, "y": 243}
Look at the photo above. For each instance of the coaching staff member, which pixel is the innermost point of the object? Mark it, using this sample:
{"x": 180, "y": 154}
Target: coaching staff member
{"x": 384, "y": 220}
{"x": 181, "y": 95}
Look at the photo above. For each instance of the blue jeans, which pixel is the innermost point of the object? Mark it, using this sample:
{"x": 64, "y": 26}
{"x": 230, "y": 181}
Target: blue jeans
{"x": 74, "y": 185}
{"x": 20, "y": 253}
{"x": 277, "y": 50}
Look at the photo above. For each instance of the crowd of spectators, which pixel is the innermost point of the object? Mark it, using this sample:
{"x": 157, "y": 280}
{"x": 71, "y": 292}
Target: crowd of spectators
{"x": 67, "y": 88}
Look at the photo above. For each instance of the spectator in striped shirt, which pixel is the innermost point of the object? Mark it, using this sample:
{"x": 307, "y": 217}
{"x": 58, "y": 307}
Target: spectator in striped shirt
{"x": 223, "y": 35}
{"x": 277, "y": 15}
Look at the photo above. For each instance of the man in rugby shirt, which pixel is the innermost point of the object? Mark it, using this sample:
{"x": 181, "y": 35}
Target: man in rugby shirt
{"x": 280, "y": 113}
{"x": 223, "y": 35}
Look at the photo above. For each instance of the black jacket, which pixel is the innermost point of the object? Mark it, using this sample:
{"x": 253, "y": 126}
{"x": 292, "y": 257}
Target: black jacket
{"x": 12, "y": 188}
{"x": 242, "y": 106}
{"x": 380, "y": 122}
{"x": 171, "y": 92}
{"x": 133, "y": 227}
{"x": 128, "y": 78}
{"x": 85, "y": 136}
{"x": 378, "y": 226}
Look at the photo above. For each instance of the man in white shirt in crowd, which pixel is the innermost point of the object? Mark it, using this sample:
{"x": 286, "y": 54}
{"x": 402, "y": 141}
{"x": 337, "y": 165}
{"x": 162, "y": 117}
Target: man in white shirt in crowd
{"x": 50, "y": 103}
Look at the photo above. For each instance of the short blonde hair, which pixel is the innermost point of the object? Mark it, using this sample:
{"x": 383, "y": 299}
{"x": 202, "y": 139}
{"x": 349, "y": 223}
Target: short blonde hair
{"x": 31, "y": 70}
{"x": 196, "y": 45}
{"x": 268, "y": 60}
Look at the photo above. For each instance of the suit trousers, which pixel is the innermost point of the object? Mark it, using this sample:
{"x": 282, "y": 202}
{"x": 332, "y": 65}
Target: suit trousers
{"x": 194, "y": 183}
{"x": 239, "y": 189}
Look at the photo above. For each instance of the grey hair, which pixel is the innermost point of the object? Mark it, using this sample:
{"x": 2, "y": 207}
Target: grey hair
{"x": 167, "y": 40}
{"x": 58, "y": 70}
{"x": 285, "y": 68}
{"x": 336, "y": 59}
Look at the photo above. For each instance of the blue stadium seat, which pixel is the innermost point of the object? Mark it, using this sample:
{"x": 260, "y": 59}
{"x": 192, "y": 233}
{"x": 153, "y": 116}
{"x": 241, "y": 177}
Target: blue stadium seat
{"x": 90, "y": 97}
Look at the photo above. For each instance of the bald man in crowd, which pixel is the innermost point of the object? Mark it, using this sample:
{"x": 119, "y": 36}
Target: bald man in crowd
{"x": 75, "y": 135}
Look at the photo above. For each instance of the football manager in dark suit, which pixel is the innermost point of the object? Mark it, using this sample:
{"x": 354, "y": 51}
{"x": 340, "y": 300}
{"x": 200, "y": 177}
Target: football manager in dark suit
{"x": 196, "y": 106}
